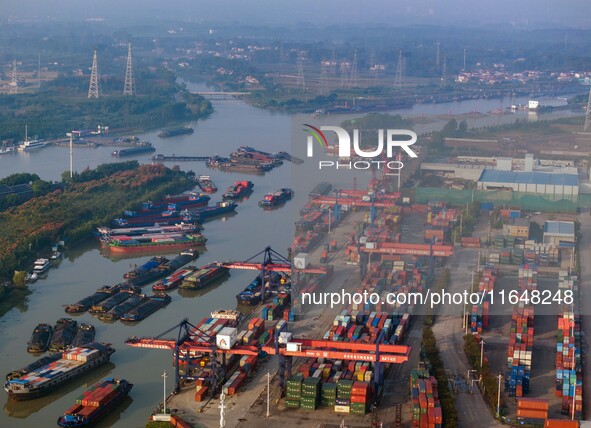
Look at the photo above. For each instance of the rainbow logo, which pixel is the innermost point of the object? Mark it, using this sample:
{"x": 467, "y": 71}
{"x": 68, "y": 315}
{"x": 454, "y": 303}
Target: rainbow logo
{"x": 315, "y": 134}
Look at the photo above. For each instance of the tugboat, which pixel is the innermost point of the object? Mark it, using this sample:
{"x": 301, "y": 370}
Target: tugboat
{"x": 277, "y": 198}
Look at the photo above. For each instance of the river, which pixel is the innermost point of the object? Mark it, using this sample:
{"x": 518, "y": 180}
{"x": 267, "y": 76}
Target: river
{"x": 238, "y": 237}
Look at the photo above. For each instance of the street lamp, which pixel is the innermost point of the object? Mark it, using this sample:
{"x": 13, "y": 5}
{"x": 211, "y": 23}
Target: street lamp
{"x": 499, "y": 396}
{"x": 481, "y": 353}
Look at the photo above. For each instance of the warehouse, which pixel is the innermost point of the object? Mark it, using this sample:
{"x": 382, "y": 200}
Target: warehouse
{"x": 559, "y": 233}
{"x": 557, "y": 185}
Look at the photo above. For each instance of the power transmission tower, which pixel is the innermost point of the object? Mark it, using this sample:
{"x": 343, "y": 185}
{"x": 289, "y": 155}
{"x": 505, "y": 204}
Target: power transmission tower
{"x": 323, "y": 79}
{"x": 333, "y": 64}
{"x": 301, "y": 81}
{"x": 14, "y": 79}
{"x": 39, "y": 71}
{"x": 437, "y": 57}
{"x": 588, "y": 114}
{"x": 93, "y": 88}
{"x": 344, "y": 73}
{"x": 281, "y": 53}
{"x": 444, "y": 71}
{"x": 398, "y": 76}
{"x": 464, "y": 69}
{"x": 128, "y": 86}
{"x": 354, "y": 76}
{"x": 373, "y": 71}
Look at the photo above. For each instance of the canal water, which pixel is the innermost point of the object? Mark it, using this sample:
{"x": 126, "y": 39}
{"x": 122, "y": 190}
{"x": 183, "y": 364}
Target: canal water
{"x": 235, "y": 237}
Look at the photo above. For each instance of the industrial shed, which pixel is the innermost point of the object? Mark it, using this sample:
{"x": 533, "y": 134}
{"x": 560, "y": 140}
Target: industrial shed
{"x": 549, "y": 184}
{"x": 559, "y": 233}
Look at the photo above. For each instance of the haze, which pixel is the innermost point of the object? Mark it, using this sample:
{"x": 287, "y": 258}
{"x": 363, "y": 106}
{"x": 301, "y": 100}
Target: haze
{"x": 526, "y": 13}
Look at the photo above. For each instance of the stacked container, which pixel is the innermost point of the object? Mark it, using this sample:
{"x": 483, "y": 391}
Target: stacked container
{"x": 532, "y": 408}
{"x": 426, "y": 408}
{"x": 294, "y": 391}
{"x": 310, "y": 393}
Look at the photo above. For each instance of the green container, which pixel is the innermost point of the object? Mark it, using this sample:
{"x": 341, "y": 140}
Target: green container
{"x": 292, "y": 404}
{"x": 293, "y": 396}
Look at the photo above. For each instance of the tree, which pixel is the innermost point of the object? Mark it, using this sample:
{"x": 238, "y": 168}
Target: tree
{"x": 19, "y": 279}
{"x": 463, "y": 128}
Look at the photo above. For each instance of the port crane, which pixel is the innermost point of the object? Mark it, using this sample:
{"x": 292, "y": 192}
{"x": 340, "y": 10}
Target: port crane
{"x": 274, "y": 262}
{"x": 190, "y": 339}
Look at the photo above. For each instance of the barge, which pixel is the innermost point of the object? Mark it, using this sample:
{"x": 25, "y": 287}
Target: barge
{"x": 40, "y": 338}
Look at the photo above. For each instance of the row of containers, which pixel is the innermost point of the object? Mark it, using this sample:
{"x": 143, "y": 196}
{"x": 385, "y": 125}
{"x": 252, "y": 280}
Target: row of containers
{"x": 345, "y": 385}
{"x": 480, "y": 312}
{"x": 517, "y": 256}
{"x": 519, "y": 352}
{"x": 569, "y": 381}
{"x": 426, "y": 408}
{"x": 382, "y": 230}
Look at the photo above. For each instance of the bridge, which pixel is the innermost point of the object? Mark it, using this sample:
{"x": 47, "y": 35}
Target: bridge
{"x": 220, "y": 95}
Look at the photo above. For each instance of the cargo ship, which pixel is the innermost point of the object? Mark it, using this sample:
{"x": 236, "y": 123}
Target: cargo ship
{"x": 171, "y": 203}
{"x": 253, "y": 293}
{"x": 64, "y": 332}
{"x": 110, "y": 303}
{"x": 128, "y": 244}
{"x": 144, "y": 148}
{"x": 95, "y": 403}
{"x": 174, "y": 280}
{"x": 204, "y": 276}
{"x": 173, "y": 132}
{"x": 204, "y": 182}
{"x": 84, "y": 335}
{"x": 150, "y": 271}
{"x": 134, "y": 231}
{"x": 238, "y": 189}
{"x": 40, "y": 338}
{"x": 121, "y": 309}
{"x": 226, "y": 164}
{"x": 15, "y": 374}
{"x": 97, "y": 297}
{"x": 50, "y": 376}
{"x": 220, "y": 208}
{"x": 276, "y": 199}
{"x": 145, "y": 309}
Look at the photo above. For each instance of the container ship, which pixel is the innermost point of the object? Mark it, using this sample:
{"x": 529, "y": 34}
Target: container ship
{"x": 64, "y": 332}
{"x": 204, "y": 276}
{"x": 174, "y": 280}
{"x": 95, "y": 403}
{"x": 84, "y": 335}
{"x": 220, "y": 208}
{"x": 252, "y": 294}
{"x": 238, "y": 190}
{"x": 40, "y": 338}
{"x": 128, "y": 244}
{"x": 69, "y": 365}
{"x": 145, "y": 309}
{"x": 144, "y": 148}
{"x": 33, "y": 366}
{"x": 276, "y": 199}
{"x": 121, "y": 309}
{"x": 204, "y": 182}
{"x": 173, "y": 132}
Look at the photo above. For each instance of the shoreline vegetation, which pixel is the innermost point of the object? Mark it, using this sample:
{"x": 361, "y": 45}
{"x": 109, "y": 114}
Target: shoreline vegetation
{"x": 87, "y": 200}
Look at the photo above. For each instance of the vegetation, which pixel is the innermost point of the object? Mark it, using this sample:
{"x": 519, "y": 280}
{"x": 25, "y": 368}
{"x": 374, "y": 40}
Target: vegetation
{"x": 446, "y": 397}
{"x": 441, "y": 283}
{"x": 490, "y": 383}
{"x": 470, "y": 214}
{"x": 164, "y": 103}
{"x": 73, "y": 212}
{"x": 39, "y": 187}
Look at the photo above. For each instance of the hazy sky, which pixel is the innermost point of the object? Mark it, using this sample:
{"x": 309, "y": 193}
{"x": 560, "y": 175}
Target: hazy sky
{"x": 571, "y": 13}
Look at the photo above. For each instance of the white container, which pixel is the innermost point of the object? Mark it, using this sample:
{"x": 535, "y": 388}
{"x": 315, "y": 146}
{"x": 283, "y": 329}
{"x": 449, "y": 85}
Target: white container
{"x": 284, "y": 337}
{"x": 294, "y": 346}
{"x": 300, "y": 261}
{"x": 226, "y": 338}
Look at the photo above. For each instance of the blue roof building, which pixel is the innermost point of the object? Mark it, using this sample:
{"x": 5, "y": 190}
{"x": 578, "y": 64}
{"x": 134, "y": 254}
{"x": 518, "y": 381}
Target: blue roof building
{"x": 552, "y": 184}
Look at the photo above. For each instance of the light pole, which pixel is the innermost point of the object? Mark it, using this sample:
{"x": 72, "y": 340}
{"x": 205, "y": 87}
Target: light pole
{"x": 164, "y": 398}
{"x": 499, "y": 396}
{"x": 329, "y": 216}
{"x": 481, "y": 356}
{"x": 268, "y": 392}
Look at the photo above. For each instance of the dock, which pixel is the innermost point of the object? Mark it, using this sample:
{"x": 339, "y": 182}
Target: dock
{"x": 174, "y": 158}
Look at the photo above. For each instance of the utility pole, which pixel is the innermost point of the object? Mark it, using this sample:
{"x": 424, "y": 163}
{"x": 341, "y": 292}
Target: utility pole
{"x": 72, "y": 160}
{"x": 14, "y": 79}
{"x": 464, "y": 59}
{"x": 587, "y": 112}
{"x": 222, "y": 410}
{"x": 398, "y": 77}
{"x": 481, "y": 354}
{"x": 437, "y": 56}
{"x": 444, "y": 71}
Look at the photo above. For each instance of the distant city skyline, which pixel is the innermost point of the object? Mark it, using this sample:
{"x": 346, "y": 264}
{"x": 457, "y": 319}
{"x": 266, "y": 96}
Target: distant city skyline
{"x": 551, "y": 13}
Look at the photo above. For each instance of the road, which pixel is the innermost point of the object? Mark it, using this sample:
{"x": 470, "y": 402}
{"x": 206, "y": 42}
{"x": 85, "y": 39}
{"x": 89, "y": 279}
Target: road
{"x": 471, "y": 408}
